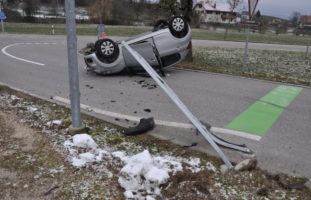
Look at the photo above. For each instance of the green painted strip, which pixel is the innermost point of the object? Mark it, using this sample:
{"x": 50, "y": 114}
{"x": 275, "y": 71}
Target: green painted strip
{"x": 260, "y": 116}
{"x": 282, "y": 96}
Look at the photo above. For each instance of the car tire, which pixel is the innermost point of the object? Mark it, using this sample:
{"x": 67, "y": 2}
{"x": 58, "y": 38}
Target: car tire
{"x": 107, "y": 50}
{"x": 178, "y": 26}
{"x": 160, "y": 24}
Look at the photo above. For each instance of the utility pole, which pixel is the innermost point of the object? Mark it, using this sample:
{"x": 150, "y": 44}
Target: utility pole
{"x": 73, "y": 63}
{"x": 252, "y": 4}
{"x": 57, "y": 8}
{"x": 101, "y": 14}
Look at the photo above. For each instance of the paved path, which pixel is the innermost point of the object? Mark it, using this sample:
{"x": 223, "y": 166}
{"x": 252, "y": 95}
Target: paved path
{"x": 216, "y": 99}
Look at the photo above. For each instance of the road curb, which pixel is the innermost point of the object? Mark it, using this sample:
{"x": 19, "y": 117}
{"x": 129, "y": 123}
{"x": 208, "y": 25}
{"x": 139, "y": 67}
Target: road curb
{"x": 179, "y": 133}
{"x": 168, "y": 124}
{"x": 126, "y": 120}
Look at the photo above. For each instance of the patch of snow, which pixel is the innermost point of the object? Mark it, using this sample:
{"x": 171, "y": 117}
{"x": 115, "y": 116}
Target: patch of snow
{"x": 194, "y": 164}
{"x": 210, "y": 167}
{"x": 156, "y": 175}
{"x": 280, "y": 194}
{"x": 129, "y": 195}
{"x": 217, "y": 184}
{"x": 32, "y": 109}
{"x": 141, "y": 174}
{"x": 13, "y": 97}
{"x": 149, "y": 198}
{"x": 78, "y": 162}
{"x": 68, "y": 144}
{"x": 121, "y": 155}
{"x": 168, "y": 162}
{"x": 55, "y": 122}
{"x": 88, "y": 157}
{"x": 84, "y": 141}
{"x": 145, "y": 173}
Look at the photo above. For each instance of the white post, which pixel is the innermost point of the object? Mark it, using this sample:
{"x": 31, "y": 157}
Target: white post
{"x": 53, "y": 30}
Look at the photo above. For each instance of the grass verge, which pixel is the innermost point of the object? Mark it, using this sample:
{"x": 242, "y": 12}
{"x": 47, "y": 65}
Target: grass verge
{"x": 282, "y": 66}
{"x": 201, "y": 34}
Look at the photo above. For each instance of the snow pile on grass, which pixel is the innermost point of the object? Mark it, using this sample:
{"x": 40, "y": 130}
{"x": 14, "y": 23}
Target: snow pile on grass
{"x": 85, "y": 144}
{"x": 141, "y": 175}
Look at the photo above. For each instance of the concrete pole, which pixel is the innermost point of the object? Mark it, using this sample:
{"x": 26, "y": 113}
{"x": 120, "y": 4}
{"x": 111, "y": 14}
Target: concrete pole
{"x": 73, "y": 63}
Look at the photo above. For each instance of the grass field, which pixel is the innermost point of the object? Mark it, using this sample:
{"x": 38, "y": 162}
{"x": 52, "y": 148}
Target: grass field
{"x": 90, "y": 29}
{"x": 289, "y": 67}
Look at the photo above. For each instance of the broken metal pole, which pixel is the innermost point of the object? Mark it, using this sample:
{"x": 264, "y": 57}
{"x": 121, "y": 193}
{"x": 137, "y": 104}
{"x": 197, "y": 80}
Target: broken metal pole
{"x": 202, "y": 129}
{"x": 73, "y": 63}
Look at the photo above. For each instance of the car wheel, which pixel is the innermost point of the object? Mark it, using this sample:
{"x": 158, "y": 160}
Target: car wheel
{"x": 160, "y": 24}
{"x": 107, "y": 50}
{"x": 178, "y": 27}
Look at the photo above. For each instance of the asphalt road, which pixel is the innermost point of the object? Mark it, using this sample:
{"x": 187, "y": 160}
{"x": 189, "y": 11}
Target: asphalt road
{"x": 213, "y": 98}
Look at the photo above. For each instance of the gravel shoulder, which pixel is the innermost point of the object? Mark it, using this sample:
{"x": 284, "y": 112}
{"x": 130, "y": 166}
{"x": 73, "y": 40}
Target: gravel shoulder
{"x": 35, "y": 163}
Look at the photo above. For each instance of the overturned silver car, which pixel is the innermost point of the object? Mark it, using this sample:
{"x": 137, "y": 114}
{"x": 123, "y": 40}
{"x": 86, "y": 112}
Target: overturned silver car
{"x": 168, "y": 44}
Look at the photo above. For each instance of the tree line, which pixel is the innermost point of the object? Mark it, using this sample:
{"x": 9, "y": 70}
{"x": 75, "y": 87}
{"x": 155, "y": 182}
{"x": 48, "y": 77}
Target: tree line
{"x": 109, "y": 11}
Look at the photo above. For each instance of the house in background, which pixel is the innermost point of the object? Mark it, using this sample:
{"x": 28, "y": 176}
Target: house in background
{"x": 304, "y": 20}
{"x": 212, "y": 12}
{"x": 304, "y": 25}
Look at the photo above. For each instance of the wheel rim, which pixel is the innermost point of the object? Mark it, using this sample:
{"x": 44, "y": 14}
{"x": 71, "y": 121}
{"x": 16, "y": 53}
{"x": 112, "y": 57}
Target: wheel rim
{"x": 107, "y": 48}
{"x": 178, "y": 24}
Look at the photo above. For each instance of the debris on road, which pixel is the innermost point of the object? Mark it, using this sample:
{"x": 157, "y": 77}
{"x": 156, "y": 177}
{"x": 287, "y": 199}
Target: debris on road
{"x": 145, "y": 125}
{"x": 147, "y": 110}
{"x": 145, "y": 84}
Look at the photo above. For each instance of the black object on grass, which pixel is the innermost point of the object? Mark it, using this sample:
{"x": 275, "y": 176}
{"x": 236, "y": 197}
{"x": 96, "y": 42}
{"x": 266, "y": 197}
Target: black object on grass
{"x": 145, "y": 124}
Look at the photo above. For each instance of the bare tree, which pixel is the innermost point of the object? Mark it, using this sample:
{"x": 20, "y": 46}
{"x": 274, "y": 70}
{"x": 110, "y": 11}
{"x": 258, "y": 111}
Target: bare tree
{"x": 233, "y": 4}
{"x": 100, "y": 9}
{"x": 30, "y": 7}
{"x": 168, "y": 7}
{"x": 138, "y": 7}
{"x": 294, "y": 18}
{"x": 186, "y": 8}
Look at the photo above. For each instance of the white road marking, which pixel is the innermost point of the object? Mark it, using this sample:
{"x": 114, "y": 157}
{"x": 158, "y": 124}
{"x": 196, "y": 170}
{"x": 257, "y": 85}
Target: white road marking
{"x": 17, "y": 58}
{"x": 160, "y": 122}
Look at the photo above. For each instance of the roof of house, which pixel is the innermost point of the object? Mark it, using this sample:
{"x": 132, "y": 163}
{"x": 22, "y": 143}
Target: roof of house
{"x": 223, "y": 7}
{"x": 305, "y": 19}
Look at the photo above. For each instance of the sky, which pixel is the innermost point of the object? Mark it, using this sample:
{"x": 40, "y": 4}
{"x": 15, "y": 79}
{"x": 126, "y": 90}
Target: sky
{"x": 279, "y": 8}
{"x": 284, "y": 8}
